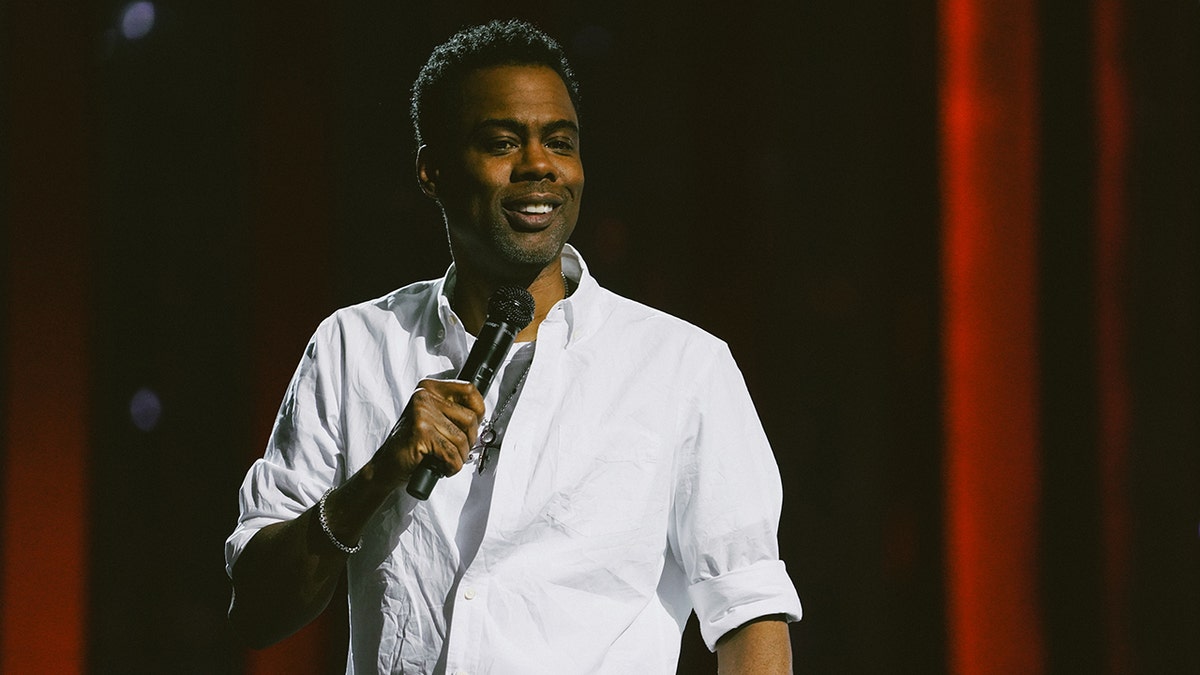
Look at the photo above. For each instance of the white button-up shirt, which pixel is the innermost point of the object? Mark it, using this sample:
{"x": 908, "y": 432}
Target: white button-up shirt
{"x": 635, "y": 484}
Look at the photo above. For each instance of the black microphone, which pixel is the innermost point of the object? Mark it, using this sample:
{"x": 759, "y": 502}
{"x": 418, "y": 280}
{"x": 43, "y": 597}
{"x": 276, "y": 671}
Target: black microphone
{"x": 510, "y": 310}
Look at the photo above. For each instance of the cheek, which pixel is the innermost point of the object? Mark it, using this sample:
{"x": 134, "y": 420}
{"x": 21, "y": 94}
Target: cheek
{"x": 476, "y": 198}
{"x": 575, "y": 176}
{"x": 486, "y": 187}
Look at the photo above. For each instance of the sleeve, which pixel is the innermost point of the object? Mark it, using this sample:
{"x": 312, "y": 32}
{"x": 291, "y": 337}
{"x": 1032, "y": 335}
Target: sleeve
{"x": 727, "y": 503}
{"x": 304, "y": 456}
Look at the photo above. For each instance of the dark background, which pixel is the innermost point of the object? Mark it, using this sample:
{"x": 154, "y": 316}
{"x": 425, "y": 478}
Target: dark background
{"x": 767, "y": 171}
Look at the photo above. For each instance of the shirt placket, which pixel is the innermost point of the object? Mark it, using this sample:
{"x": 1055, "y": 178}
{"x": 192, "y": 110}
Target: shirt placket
{"x": 467, "y": 634}
{"x": 467, "y": 645}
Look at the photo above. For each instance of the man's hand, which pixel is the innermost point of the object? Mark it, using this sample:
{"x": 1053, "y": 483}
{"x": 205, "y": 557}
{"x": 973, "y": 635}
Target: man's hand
{"x": 441, "y": 419}
{"x": 761, "y": 647}
{"x": 289, "y": 570}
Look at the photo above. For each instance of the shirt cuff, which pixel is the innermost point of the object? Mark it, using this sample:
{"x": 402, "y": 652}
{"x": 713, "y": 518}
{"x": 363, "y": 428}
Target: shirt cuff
{"x": 235, "y": 544}
{"x": 727, "y": 601}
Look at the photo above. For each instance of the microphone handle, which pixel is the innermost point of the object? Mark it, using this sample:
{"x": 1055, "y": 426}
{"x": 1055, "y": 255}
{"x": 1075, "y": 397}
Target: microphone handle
{"x": 485, "y": 358}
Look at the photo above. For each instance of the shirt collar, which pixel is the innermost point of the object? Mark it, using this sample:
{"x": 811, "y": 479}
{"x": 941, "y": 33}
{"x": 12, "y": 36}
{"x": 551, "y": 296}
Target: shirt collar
{"x": 578, "y": 310}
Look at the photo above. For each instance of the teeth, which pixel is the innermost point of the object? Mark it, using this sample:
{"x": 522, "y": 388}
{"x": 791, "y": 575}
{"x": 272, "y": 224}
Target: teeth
{"x": 533, "y": 209}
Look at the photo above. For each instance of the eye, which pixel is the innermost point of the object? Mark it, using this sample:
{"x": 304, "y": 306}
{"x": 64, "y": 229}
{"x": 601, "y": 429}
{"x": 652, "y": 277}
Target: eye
{"x": 561, "y": 144}
{"x": 500, "y": 145}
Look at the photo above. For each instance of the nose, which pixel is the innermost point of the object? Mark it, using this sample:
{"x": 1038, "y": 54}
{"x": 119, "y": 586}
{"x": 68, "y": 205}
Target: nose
{"x": 534, "y": 164}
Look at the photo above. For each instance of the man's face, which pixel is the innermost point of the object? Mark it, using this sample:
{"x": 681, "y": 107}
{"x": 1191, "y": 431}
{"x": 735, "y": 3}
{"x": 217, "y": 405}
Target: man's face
{"x": 510, "y": 178}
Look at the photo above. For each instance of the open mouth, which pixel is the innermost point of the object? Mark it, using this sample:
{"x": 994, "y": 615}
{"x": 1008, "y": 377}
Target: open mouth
{"x": 534, "y": 209}
{"x": 532, "y": 212}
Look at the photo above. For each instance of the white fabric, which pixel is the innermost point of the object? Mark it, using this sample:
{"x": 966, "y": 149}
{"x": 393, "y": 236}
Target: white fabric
{"x": 635, "y": 483}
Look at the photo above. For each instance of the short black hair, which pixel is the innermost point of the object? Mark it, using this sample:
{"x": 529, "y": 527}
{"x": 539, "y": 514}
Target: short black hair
{"x": 496, "y": 43}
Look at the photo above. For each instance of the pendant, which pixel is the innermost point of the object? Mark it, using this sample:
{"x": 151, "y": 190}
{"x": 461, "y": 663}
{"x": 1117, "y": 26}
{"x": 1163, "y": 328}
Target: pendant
{"x": 484, "y": 445}
{"x": 487, "y": 436}
{"x": 484, "y": 458}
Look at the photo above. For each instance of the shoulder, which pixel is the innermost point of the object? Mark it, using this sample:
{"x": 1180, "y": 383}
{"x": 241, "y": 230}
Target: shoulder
{"x": 623, "y": 316}
{"x": 403, "y": 307}
{"x": 367, "y": 326}
{"x": 639, "y": 316}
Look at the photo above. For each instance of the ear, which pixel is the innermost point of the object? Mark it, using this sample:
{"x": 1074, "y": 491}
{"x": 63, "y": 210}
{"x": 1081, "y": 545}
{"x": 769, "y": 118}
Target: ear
{"x": 427, "y": 172}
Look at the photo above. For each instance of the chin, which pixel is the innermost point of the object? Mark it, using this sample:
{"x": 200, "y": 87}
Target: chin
{"x": 530, "y": 260}
{"x": 530, "y": 254}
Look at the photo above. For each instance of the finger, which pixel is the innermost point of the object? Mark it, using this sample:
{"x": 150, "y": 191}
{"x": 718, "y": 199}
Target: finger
{"x": 464, "y": 420}
{"x": 454, "y": 424}
{"x": 458, "y": 401}
{"x": 452, "y": 450}
{"x": 442, "y": 428}
{"x": 458, "y": 392}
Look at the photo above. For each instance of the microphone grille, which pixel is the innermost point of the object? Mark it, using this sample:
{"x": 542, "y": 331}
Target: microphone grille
{"x": 512, "y": 305}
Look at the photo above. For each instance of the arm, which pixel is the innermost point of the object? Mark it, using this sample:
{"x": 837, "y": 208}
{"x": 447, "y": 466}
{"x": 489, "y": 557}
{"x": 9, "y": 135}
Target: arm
{"x": 761, "y": 647}
{"x": 725, "y": 532}
{"x": 288, "y": 572}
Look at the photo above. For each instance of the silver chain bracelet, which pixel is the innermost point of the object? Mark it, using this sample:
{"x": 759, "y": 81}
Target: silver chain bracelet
{"x": 349, "y": 550}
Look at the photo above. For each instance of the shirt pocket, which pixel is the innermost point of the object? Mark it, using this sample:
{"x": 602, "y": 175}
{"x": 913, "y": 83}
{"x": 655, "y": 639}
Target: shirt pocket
{"x": 612, "y": 483}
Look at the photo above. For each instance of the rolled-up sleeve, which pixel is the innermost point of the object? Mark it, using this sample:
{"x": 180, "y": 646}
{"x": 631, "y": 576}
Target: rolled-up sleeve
{"x": 727, "y": 503}
{"x": 302, "y": 459}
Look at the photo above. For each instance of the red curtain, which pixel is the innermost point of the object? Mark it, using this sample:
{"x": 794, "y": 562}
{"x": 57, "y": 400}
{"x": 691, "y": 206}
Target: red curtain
{"x": 991, "y": 104}
{"x": 990, "y": 202}
{"x": 1110, "y": 82}
{"x": 46, "y": 360}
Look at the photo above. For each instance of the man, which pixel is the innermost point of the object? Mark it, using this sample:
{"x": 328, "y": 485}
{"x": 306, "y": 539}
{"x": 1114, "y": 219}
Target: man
{"x": 623, "y": 479}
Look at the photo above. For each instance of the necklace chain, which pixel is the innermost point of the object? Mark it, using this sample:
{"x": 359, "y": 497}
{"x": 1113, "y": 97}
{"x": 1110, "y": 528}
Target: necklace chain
{"x": 511, "y": 395}
{"x": 486, "y": 443}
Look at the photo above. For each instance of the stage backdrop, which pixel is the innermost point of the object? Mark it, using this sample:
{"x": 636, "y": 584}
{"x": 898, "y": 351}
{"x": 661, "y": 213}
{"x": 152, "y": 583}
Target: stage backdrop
{"x": 953, "y": 244}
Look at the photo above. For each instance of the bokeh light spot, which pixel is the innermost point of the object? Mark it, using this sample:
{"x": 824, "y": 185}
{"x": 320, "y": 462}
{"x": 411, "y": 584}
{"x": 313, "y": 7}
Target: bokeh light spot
{"x": 145, "y": 408}
{"x": 137, "y": 19}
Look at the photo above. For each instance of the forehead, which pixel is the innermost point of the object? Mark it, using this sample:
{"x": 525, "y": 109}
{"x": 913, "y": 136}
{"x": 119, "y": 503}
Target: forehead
{"x": 534, "y": 95}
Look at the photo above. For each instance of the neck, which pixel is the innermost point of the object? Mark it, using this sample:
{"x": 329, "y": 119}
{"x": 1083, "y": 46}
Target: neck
{"x": 472, "y": 291}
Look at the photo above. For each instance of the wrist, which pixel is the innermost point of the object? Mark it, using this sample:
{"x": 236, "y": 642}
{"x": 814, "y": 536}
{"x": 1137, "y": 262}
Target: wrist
{"x": 343, "y": 512}
{"x": 333, "y": 538}
{"x": 379, "y": 477}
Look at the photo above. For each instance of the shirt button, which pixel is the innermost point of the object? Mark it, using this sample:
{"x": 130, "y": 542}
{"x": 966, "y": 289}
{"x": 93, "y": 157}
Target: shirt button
{"x": 441, "y": 334}
{"x": 469, "y": 594}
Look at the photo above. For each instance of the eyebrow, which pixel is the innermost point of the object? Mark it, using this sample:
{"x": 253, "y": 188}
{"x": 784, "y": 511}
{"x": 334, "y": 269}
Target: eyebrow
{"x": 516, "y": 127}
